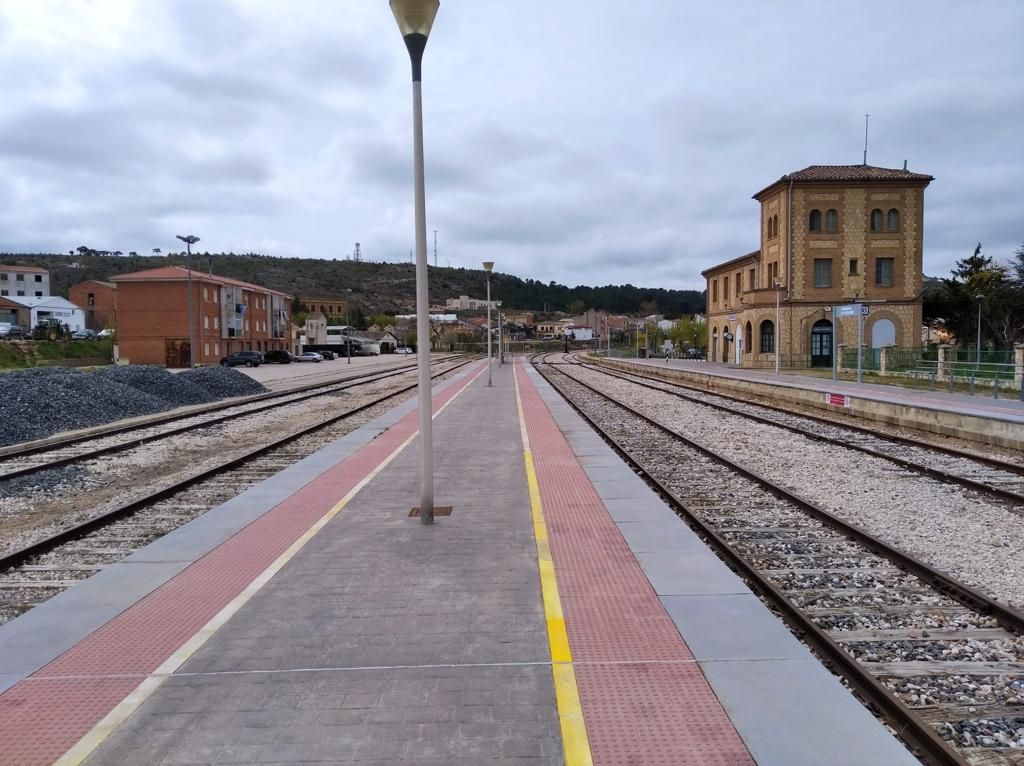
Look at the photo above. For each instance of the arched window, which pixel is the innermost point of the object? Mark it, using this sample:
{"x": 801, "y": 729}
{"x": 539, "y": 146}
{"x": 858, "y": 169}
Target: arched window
{"x": 748, "y": 340}
{"x": 883, "y": 333}
{"x": 876, "y": 220}
{"x": 767, "y": 337}
{"x": 775, "y": 224}
{"x": 815, "y": 221}
{"x": 714, "y": 344}
{"x": 893, "y": 222}
{"x": 831, "y": 221}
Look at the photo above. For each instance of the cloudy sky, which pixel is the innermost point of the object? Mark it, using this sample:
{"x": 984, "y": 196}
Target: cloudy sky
{"x": 584, "y": 141}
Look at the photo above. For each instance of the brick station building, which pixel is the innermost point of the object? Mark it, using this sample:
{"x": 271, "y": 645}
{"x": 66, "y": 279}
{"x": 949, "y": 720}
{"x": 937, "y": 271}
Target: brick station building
{"x": 830, "y": 234}
{"x": 228, "y": 315}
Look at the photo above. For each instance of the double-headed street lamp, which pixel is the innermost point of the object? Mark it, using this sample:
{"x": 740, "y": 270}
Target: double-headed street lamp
{"x": 415, "y": 18}
{"x": 488, "y": 266}
{"x": 189, "y": 240}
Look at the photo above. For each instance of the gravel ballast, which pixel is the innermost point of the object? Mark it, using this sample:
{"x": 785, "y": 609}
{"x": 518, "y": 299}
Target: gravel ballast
{"x": 39, "y": 402}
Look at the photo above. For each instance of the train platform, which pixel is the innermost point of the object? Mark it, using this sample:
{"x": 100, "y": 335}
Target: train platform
{"x": 983, "y": 404}
{"x": 561, "y": 613}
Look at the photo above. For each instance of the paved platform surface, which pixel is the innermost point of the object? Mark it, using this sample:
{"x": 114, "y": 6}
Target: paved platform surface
{"x": 981, "y": 405}
{"x": 562, "y": 614}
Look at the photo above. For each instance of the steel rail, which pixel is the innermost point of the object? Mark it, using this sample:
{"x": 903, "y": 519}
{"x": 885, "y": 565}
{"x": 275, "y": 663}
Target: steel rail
{"x": 939, "y": 475}
{"x": 313, "y": 391}
{"x": 909, "y": 726}
{"x": 18, "y": 557}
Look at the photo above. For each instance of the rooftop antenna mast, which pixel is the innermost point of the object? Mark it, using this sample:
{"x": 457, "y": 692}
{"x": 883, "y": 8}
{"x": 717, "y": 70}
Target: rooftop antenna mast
{"x": 866, "y": 116}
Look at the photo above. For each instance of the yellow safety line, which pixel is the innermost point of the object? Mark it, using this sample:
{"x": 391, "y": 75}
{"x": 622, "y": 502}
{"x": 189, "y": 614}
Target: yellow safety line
{"x": 95, "y": 737}
{"x": 575, "y": 742}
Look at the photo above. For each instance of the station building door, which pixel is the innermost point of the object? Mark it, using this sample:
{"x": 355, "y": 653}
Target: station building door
{"x": 821, "y": 344}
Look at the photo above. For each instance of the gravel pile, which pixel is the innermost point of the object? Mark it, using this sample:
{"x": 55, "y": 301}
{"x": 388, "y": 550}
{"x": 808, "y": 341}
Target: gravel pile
{"x": 38, "y": 402}
{"x": 176, "y": 390}
{"x": 223, "y": 382}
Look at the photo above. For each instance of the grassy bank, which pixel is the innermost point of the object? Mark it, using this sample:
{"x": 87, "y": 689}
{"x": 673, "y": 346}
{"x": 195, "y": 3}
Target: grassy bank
{"x": 18, "y": 354}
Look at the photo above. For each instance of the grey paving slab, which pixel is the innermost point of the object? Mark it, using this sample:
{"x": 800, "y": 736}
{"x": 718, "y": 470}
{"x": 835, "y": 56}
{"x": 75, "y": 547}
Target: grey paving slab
{"x": 794, "y": 713}
{"x": 636, "y": 509}
{"x": 661, "y": 535}
{"x": 415, "y": 643}
{"x": 620, "y": 489}
{"x": 683, "y": 574}
{"x": 732, "y": 627}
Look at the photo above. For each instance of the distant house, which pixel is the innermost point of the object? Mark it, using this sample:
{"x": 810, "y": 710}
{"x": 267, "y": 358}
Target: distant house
{"x": 24, "y": 282}
{"x": 13, "y": 312}
{"x": 330, "y": 307}
{"x": 52, "y": 309}
{"x": 99, "y": 300}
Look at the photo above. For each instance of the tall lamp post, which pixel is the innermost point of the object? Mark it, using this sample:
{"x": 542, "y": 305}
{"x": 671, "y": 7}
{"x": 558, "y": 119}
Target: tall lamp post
{"x": 488, "y": 267}
{"x": 415, "y": 18}
{"x": 977, "y": 347}
{"x": 778, "y": 325}
{"x": 189, "y": 240}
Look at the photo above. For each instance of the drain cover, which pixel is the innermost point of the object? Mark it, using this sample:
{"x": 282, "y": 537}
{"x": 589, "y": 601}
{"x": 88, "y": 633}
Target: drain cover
{"x": 441, "y": 510}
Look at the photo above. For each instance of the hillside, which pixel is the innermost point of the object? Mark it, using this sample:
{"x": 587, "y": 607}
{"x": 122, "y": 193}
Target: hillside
{"x": 375, "y": 287}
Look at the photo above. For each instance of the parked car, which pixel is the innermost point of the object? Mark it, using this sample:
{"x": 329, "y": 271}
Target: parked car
{"x": 83, "y": 334}
{"x": 277, "y": 357}
{"x": 11, "y": 331}
{"x": 107, "y": 333}
{"x": 693, "y": 353}
{"x": 248, "y": 358}
{"x": 404, "y": 350}
{"x": 309, "y": 356}
{"x": 327, "y": 354}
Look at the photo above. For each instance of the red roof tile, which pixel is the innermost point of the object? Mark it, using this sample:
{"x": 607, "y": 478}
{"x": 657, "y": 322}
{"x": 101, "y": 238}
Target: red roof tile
{"x": 850, "y": 174}
{"x": 178, "y": 273}
{"x": 26, "y": 269}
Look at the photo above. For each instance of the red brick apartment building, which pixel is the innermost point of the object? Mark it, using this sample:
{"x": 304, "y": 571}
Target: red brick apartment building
{"x": 228, "y": 316}
{"x": 99, "y": 301}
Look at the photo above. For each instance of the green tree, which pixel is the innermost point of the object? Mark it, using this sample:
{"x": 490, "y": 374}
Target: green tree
{"x": 357, "y": 318}
{"x": 577, "y": 307}
{"x": 689, "y": 333}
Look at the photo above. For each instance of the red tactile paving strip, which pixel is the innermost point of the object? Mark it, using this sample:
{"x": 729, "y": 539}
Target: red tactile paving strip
{"x": 644, "y": 699}
{"x": 44, "y": 715}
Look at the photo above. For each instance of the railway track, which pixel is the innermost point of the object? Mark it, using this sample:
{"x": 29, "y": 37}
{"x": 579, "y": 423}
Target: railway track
{"x": 28, "y": 459}
{"x": 41, "y": 570}
{"x": 943, "y": 663}
{"x": 998, "y": 478}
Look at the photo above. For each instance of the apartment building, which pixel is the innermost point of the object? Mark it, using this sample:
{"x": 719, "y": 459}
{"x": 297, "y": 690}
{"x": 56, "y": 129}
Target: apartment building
{"x": 227, "y": 315}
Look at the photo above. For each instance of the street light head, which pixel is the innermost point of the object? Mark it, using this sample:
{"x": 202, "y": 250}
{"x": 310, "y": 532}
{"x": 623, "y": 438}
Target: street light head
{"x": 415, "y": 17}
{"x": 488, "y": 265}
{"x": 190, "y": 239}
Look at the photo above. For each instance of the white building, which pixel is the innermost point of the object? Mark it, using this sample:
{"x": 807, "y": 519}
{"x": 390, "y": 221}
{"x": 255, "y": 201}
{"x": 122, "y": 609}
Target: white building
{"x": 52, "y": 308}
{"x": 465, "y": 303}
{"x": 24, "y": 282}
